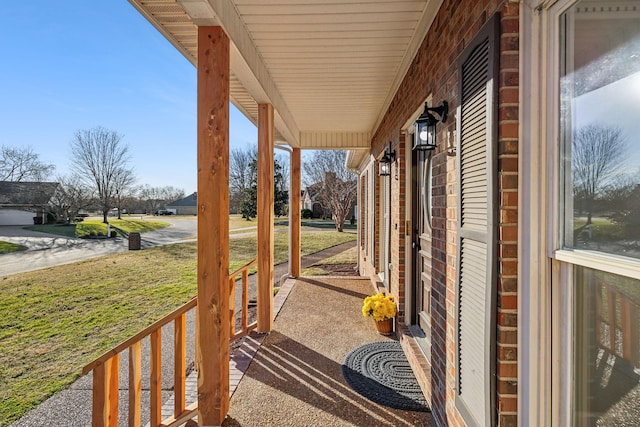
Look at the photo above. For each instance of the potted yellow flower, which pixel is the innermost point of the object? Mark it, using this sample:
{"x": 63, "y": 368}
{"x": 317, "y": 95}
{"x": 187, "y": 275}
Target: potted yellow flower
{"x": 383, "y": 309}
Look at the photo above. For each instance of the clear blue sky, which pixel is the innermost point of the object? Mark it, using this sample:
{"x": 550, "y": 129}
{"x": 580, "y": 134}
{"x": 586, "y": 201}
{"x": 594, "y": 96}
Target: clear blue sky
{"x": 76, "y": 64}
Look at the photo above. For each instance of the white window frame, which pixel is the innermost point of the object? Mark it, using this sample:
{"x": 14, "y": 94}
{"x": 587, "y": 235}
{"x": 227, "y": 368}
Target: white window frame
{"x": 534, "y": 272}
{"x": 545, "y": 394}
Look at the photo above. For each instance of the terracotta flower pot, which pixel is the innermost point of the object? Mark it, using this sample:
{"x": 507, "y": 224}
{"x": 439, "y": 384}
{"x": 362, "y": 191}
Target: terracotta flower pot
{"x": 385, "y": 327}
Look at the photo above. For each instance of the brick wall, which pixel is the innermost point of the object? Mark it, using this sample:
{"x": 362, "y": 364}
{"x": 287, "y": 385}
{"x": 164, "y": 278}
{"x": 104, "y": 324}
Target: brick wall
{"x": 507, "y": 369}
{"x": 434, "y": 72}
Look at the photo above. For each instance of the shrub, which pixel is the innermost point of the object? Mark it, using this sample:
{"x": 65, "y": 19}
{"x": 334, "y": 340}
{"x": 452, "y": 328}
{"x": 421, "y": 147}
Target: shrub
{"x": 306, "y": 213}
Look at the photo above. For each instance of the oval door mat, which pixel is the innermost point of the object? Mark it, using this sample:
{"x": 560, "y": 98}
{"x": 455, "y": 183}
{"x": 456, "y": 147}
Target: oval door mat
{"x": 381, "y": 372}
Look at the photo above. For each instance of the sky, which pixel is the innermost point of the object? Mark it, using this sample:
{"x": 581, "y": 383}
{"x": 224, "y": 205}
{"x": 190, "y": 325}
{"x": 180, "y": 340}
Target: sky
{"x": 614, "y": 105}
{"x": 76, "y": 64}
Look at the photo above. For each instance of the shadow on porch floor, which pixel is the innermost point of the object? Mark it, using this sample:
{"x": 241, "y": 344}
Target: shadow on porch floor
{"x": 295, "y": 379}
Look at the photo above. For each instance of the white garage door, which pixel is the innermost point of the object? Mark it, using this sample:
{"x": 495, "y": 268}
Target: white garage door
{"x": 16, "y": 217}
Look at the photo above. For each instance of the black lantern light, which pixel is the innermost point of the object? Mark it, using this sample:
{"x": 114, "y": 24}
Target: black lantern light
{"x": 386, "y": 160}
{"x": 425, "y": 134}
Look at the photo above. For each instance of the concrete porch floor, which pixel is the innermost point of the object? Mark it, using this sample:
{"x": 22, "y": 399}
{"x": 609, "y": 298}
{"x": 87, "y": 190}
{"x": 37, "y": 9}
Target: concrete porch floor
{"x": 295, "y": 377}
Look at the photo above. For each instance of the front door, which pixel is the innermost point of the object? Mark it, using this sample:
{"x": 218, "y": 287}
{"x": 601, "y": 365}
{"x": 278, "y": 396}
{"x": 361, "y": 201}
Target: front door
{"x": 422, "y": 243}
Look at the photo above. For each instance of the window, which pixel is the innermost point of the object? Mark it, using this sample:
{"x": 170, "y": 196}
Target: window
{"x": 600, "y": 107}
{"x": 599, "y": 208}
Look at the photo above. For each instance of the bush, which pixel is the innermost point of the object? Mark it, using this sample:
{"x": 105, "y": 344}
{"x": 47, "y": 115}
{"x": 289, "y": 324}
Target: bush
{"x": 306, "y": 213}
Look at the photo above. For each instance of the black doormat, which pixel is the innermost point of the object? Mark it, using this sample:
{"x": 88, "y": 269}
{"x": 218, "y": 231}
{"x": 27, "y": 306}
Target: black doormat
{"x": 381, "y": 372}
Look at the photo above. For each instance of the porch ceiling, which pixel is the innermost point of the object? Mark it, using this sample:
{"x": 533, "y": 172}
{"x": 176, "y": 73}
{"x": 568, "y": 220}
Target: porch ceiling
{"x": 329, "y": 67}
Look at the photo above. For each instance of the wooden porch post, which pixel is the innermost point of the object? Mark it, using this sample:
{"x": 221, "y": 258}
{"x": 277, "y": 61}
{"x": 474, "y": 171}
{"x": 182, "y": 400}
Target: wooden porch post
{"x": 265, "y": 217}
{"x": 294, "y": 209}
{"x": 213, "y": 226}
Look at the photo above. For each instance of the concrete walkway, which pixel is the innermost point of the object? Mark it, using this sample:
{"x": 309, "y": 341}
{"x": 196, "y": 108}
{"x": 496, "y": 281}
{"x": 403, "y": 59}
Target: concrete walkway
{"x": 295, "y": 378}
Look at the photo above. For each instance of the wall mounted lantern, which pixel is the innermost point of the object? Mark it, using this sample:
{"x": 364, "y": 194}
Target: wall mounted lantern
{"x": 425, "y": 134}
{"x": 386, "y": 160}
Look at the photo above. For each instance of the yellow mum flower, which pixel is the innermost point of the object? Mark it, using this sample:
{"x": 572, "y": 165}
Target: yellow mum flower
{"x": 379, "y": 306}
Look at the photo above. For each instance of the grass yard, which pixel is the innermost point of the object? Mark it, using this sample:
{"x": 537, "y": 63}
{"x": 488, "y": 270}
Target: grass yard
{"x": 97, "y": 227}
{"x": 350, "y": 256}
{"x": 605, "y": 230}
{"x": 6, "y": 247}
{"x": 54, "y": 321}
{"x": 237, "y": 222}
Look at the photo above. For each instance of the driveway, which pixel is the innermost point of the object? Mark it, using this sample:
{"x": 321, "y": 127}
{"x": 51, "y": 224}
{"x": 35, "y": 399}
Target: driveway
{"x": 48, "y": 250}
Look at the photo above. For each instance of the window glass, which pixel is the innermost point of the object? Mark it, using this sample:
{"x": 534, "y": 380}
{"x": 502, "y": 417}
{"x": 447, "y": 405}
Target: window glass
{"x": 607, "y": 356}
{"x": 600, "y": 127}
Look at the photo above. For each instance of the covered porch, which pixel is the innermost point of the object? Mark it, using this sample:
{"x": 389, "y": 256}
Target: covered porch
{"x": 316, "y": 75}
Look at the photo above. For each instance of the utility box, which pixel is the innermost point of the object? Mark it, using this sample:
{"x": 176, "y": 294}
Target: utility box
{"x": 134, "y": 241}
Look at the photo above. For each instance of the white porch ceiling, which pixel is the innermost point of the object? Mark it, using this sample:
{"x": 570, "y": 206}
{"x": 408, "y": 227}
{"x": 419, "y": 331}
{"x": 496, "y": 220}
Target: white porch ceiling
{"x": 329, "y": 67}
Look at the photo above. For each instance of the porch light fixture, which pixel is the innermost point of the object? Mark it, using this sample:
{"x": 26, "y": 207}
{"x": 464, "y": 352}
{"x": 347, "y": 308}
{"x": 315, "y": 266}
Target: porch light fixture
{"x": 425, "y": 134}
{"x": 386, "y": 160}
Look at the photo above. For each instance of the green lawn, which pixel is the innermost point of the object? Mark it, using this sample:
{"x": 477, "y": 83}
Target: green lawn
{"x": 350, "y": 256}
{"x": 98, "y": 228}
{"x": 6, "y": 247}
{"x": 236, "y": 222}
{"x": 54, "y": 321}
{"x": 605, "y": 230}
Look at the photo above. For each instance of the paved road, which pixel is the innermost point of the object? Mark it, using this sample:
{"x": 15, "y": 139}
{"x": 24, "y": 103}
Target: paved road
{"x": 48, "y": 250}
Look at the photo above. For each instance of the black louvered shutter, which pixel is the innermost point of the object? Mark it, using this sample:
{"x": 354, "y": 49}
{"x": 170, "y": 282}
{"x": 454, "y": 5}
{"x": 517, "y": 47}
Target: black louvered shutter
{"x": 476, "y": 272}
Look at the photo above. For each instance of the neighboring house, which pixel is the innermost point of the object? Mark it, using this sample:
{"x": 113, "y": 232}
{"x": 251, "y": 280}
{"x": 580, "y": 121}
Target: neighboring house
{"x": 506, "y": 318}
{"x": 26, "y": 203}
{"x": 310, "y": 201}
{"x": 185, "y": 206}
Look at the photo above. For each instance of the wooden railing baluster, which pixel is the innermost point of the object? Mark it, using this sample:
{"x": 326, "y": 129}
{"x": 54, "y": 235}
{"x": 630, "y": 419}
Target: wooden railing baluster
{"x": 135, "y": 384}
{"x": 232, "y": 305}
{"x": 113, "y": 380}
{"x": 622, "y": 309}
{"x": 155, "y": 378}
{"x": 106, "y": 367}
{"x": 100, "y": 403}
{"x": 180, "y": 364}
{"x": 245, "y": 299}
{"x": 611, "y": 308}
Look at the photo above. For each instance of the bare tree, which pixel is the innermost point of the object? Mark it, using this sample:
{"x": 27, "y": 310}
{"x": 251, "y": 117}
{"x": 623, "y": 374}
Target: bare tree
{"x": 597, "y": 158}
{"x": 101, "y": 159}
{"x": 156, "y": 197}
{"x": 74, "y": 196}
{"x": 22, "y": 164}
{"x": 339, "y": 186}
{"x": 123, "y": 183}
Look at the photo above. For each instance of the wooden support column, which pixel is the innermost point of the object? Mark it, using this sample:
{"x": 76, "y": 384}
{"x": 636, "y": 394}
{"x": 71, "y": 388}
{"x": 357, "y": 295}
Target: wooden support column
{"x": 294, "y": 214}
{"x": 213, "y": 226}
{"x": 265, "y": 217}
